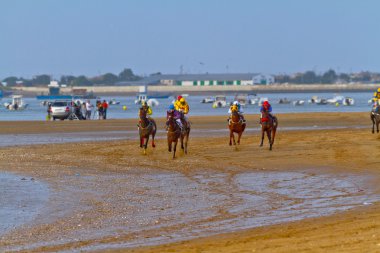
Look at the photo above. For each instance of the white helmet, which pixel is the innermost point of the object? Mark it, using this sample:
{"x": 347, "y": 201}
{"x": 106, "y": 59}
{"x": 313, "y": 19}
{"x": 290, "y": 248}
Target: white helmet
{"x": 235, "y": 103}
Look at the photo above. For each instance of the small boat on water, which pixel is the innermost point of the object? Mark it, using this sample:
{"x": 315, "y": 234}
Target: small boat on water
{"x": 317, "y": 100}
{"x": 284, "y": 101}
{"x": 242, "y": 99}
{"x": 348, "y": 101}
{"x": 17, "y": 104}
{"x": 114, "y": 102}
{"x": 262, "y": 100}
{"x": 337, "y": 99}
{"x": 299, "y": 102}
{"x": 220, "y": 101}
{"x": 208, "y": 100}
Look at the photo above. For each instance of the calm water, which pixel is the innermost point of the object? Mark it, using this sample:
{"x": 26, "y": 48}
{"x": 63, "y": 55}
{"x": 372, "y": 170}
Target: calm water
{"x": 21, "y": 199}
{"x": 36, "y": 111}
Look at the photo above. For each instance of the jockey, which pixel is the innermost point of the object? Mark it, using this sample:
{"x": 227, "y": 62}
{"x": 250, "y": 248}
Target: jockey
{"x": 266, "y": 106}
{"x": 176, "y": 115}
{"x": 239, "y": 110}
{"x": 376, "y": 101}
{"x": 146, "y": 107}
{"x": 183, "y": 107}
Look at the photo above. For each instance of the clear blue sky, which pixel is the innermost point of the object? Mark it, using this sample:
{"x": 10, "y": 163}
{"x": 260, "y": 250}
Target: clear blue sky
{"x": 272, "y": 36}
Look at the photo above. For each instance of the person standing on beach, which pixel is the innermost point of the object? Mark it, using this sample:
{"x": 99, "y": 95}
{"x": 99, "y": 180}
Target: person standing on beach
{"x": 88, "y": 109}
{"x": 99, "y": 107}
{"x": 105, "y": 107}
{"x": 49, "y": 112}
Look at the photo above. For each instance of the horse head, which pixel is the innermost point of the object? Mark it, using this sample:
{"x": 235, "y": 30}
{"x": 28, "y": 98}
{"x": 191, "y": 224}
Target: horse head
{"x": 143, "y": 118}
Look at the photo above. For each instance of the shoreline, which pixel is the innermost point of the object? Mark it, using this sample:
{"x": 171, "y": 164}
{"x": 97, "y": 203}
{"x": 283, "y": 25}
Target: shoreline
{"x": 205, "y": 90}
{"x": 103, "y": 164}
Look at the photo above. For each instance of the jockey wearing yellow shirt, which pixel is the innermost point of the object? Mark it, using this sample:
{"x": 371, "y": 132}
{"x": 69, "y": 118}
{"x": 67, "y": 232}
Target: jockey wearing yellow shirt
{"x": 183, "y": 107}
{"x": 376, "y": 100}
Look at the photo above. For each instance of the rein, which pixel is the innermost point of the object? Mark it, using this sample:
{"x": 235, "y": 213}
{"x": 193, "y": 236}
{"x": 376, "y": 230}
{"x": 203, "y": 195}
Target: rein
{"x": 173, "y": 124}
{"x": 235, "y": 122}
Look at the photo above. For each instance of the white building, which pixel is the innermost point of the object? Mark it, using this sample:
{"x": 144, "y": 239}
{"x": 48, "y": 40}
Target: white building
{"x": 263, "y": 79}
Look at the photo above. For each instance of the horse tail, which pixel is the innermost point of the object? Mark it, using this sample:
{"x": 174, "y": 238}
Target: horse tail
{"x": 274, "y": 129}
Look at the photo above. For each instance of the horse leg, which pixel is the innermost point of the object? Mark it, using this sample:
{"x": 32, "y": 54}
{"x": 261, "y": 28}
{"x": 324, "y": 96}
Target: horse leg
{"x": 273, "y": 135}
{"x": 373, "y": 123}
{"x": 262, "y": 137}
{"x": 239, "y": 136}
{"x": 175, "y": 147}
{"x": 154, "y": 130}
{"x": 187, "y": 139}
{"x": 377, "y": 125}
{"x": 182, "y": 138}
{"x": 153, "y": 134}
{"x": 146, "y": 144}
{"x": 231, "y": 136}
{"x": 141, "y": 141}
{"x": 269, "y": 135}
{"x": 170, "y": 144}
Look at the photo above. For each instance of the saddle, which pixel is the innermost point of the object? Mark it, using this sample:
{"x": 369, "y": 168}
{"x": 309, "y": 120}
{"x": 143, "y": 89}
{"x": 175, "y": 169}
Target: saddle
{"x": 266, "y": 119}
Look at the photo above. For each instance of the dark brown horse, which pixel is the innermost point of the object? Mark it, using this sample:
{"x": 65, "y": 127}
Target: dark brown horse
{"x": 147, "y": 127}
{"x": 173, "y": 133}
{"x": 236, "y": 125}
{"x": 375, "y": 117}
{"x": 268, "y": 125}
{"x": 185, "y": 133}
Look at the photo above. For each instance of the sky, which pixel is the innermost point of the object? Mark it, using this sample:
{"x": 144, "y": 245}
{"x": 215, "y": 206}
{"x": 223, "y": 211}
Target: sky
{"x": 93, "y": 37}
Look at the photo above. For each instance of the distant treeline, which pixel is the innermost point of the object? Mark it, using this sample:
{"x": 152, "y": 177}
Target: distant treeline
{"x": 69, "y": 80}
{"x": 308, "y": 77}
{"x": 329, "y": 77}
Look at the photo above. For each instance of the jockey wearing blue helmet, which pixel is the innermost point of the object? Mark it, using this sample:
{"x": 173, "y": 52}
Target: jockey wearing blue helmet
{"x": 176, "y": 115}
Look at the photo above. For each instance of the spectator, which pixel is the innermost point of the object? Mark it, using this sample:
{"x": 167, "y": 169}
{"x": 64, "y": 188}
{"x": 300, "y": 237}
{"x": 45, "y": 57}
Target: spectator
{"x": 88, "y": 109}
{"x": 99, "y": 106}
{"x": 105, "y": 107}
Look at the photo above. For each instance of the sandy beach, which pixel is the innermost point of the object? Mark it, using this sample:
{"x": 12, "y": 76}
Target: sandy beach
{"x": 107, "y": 196}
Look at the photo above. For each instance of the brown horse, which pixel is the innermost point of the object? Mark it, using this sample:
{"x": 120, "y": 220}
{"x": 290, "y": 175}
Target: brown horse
{"x": 147, "y": 127}
{"x": 236, "y": 125}
{"x": 268, "y": 125}
{"x": 185, "y": 133}
{"x": 173, "y": 133}
{"x": 375, "y": 117}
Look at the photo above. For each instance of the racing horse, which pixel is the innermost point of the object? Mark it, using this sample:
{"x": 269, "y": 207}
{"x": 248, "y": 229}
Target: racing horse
{"x": 236, "y": 125}
{"x": 173, "y": 133}
{"x": 269, "y": 126}
{"x": 185, "y": 133}
{"x": 147, "y": 127}
{"x": 375, "y": 117}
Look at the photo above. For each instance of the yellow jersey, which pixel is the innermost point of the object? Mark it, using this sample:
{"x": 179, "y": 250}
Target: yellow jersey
{"x": 181, "y": 107}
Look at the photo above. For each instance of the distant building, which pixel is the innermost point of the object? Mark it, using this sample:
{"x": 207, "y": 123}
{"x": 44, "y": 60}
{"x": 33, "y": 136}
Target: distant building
{"x": 204, "y": 80}
{"x": 263, "y": 79}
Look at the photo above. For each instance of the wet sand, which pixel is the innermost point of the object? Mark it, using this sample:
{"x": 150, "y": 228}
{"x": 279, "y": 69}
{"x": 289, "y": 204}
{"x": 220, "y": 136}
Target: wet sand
{"x": 93, "y": 191}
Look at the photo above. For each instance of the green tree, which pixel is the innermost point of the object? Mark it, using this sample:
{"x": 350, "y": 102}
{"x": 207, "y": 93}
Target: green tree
{"x": 344, "y": 77}
{"x": 67, "y": 80}
{"x": 109, "y": 79}
{"x": 310, "y": 77}
{"x": 11, "y": 81}
{"x": 127, "y": 75}
{"x": 41, "y": 80}
{"x": 81, "y": 81}
{"x": 329, "y": 77}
